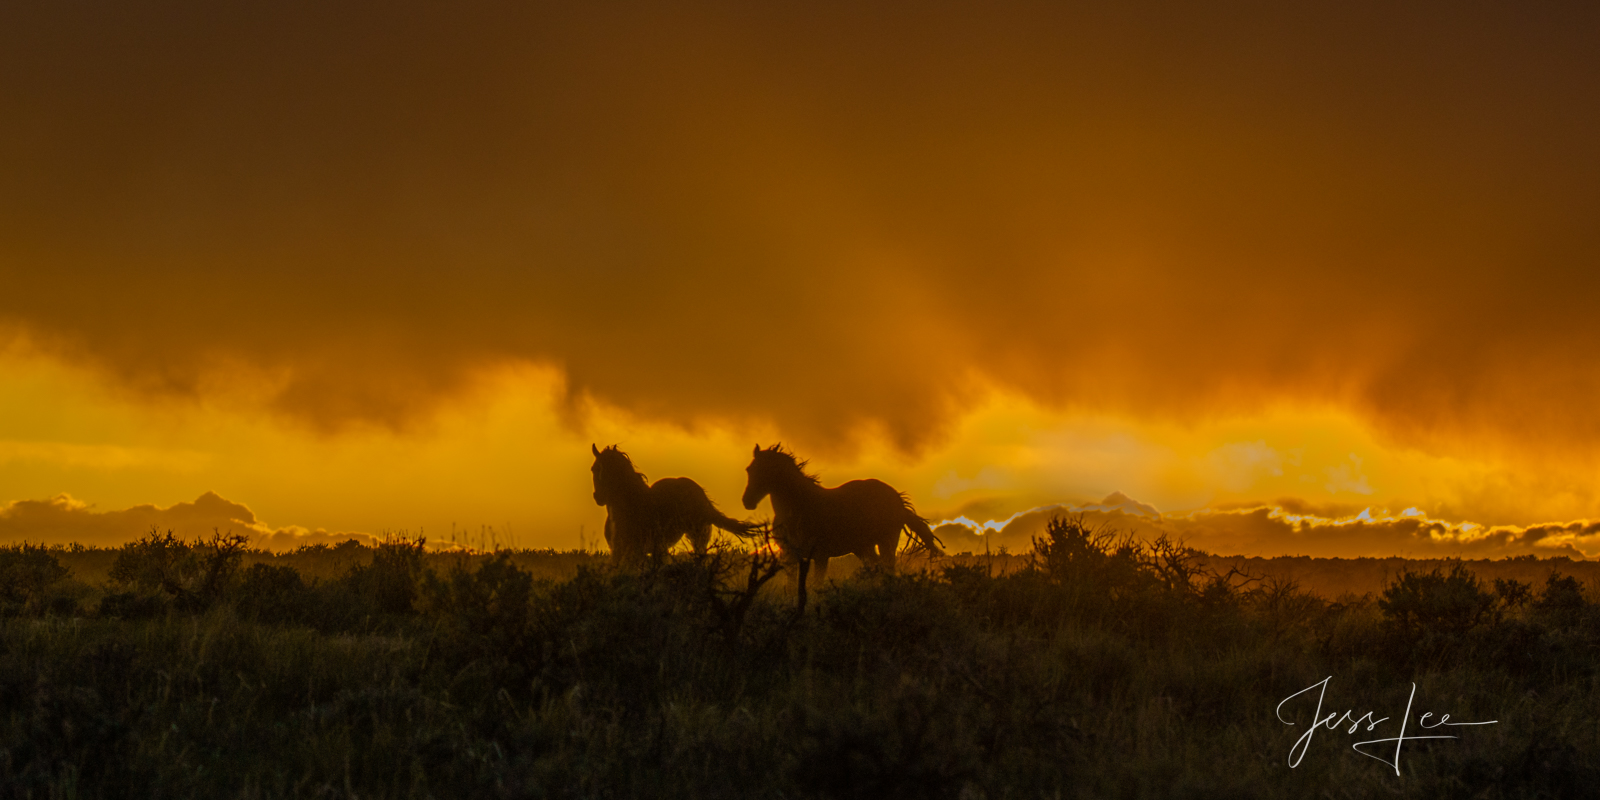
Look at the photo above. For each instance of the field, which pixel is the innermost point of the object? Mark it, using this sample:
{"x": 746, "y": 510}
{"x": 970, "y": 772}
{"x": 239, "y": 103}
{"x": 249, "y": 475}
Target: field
{"x": 1094, "y": 666}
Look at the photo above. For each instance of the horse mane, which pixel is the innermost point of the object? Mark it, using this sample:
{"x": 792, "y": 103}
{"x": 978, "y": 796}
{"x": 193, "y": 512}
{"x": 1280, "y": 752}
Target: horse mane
{"x": 619, "y": 467}
{"x": 792, "y": 460}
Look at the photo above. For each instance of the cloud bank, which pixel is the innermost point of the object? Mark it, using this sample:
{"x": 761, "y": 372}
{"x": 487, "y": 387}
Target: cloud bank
{"x": 63, "y": 520}
{"x": 834, "y": 218}
{"x": 1286, "y": 528}
{"x": 1290, "y": 528}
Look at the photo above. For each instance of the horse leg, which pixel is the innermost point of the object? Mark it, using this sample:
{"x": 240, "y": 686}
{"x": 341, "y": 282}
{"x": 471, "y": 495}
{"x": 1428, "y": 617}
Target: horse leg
{"x": 801, "y": 567}
{"x": 886, "y": 555}
{"x": 700, "y": 538}
{"x": 623, "y": 552}
{"x": 808, "y": 574}
{"x": 615, "y": 542}
{"x": 646, "y": 547}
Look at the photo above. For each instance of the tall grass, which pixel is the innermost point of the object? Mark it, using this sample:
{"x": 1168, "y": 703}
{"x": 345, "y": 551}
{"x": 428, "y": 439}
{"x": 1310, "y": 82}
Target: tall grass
{"x": 1105, "y": 667}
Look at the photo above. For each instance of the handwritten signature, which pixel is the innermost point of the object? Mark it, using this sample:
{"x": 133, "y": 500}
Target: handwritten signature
{"x": 1336, "y": 720}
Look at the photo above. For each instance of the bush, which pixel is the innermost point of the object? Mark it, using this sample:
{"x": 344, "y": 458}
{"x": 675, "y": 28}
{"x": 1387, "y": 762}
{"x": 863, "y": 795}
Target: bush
{"x": 1072, "y": 553}
{"x": 273, "y": 594}
{"x": 193, "y": 576}
{"x": 151, "y": 563}
{"x": 389, "y": 583}
{"x": 1562, "y": 601}
{"x": 488, "y": 606}
{"x": 27, "y": 572}
{"x": 1449, "y": 604}
{"x": 1513, "y": 594}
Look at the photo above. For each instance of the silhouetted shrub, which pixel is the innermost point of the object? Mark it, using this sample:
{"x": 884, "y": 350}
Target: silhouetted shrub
{"x": 155, "y": 562}
{"x": 219, "y": 561}
{"x": 906, "y": 617}
{"x": 272, "y": 593}
{"x": 1515, "y": 645}
{"x": 192, "y": 575}
{"x": 389, "y": 583}
{"x": 27, "y": 573}
{"x": 1350, "y": 627}
{"x": 1158, "y": 587}
{"x": 489, "y": 605}
{"x": 1512, "y": 593}
{"x": 1562, "y": 601}
{"x": 970, "y": 582}
{"x": 1179, "y": 571}
{"x": 1434, "y": 601}
{"x": 1073, "y": 554}
{"x": 1282, "y": 606}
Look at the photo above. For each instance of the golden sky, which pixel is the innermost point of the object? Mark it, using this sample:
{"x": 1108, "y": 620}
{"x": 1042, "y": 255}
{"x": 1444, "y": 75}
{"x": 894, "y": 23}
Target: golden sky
{"x": 395, "y": 266}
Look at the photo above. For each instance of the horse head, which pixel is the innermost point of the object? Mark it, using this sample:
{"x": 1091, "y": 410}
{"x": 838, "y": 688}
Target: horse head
{"x": 771, "y": 468}
{"x": 758, "y": 481}
{"x": 611, "y": 467}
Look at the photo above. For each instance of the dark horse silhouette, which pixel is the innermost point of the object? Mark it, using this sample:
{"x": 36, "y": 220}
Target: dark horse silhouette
{"x": 645, "y": 520}
{"x": 810, "y": 522}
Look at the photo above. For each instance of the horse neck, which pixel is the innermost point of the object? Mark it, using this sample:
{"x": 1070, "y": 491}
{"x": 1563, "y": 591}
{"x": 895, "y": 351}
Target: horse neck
{"x": 630, "y": 491}
{"x": 792, "y": 494}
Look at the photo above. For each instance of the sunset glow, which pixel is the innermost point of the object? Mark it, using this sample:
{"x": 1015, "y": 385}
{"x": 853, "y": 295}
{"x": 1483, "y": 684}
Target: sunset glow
{"x": 1297, "y": 286}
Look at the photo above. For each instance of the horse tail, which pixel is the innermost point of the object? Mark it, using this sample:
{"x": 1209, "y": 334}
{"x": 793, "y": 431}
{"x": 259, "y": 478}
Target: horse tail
{"x": 730, "y": 524}
{"x": 924, "y": 535}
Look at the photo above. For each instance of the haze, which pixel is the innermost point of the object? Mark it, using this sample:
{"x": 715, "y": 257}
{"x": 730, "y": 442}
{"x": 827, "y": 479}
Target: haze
{"x": 395, "y": 266}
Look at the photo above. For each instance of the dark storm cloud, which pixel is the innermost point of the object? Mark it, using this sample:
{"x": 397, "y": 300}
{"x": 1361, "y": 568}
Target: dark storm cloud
{"x": 829, "y": 215}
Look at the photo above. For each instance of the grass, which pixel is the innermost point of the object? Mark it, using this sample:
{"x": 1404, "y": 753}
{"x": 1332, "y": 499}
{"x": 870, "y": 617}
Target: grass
{"x": 1099, "y": 668}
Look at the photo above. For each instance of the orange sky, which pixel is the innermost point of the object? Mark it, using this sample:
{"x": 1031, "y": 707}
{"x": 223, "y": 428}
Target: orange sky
{"x": 396, "y": 267}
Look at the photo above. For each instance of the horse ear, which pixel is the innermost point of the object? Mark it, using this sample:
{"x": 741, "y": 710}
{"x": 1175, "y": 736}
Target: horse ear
{"x": 758, "y": 450}
{"x": 594, "y": 449}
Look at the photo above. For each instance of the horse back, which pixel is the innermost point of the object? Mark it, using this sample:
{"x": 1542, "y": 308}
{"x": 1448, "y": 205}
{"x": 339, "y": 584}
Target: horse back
{"x": 866, "y": 490}
{"x": 869, "y": 499}
{"x": 677, "y": 487}
{"x": 679, "y": 497}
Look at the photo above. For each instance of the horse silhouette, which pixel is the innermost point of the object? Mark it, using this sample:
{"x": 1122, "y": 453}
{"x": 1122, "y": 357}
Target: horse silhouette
{"x": 645, "y": 520}
{"x": 862, "y": 517}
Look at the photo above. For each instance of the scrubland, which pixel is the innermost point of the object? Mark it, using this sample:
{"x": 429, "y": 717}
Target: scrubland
{"x": 1095, "y": 666}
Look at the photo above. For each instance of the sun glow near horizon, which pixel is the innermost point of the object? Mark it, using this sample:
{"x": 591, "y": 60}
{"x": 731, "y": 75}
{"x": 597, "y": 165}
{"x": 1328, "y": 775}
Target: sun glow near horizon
{"x": 514, "y": 455}
{"x": 1005, "y": 259}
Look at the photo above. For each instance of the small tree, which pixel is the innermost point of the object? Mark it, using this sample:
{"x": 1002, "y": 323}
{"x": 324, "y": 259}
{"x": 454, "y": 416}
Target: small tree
{"x": 1436, "y": 601}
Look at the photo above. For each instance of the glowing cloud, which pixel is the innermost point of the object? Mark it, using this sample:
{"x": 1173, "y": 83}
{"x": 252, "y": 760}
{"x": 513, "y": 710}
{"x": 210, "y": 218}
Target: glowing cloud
{"x": 403, "y": 265}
